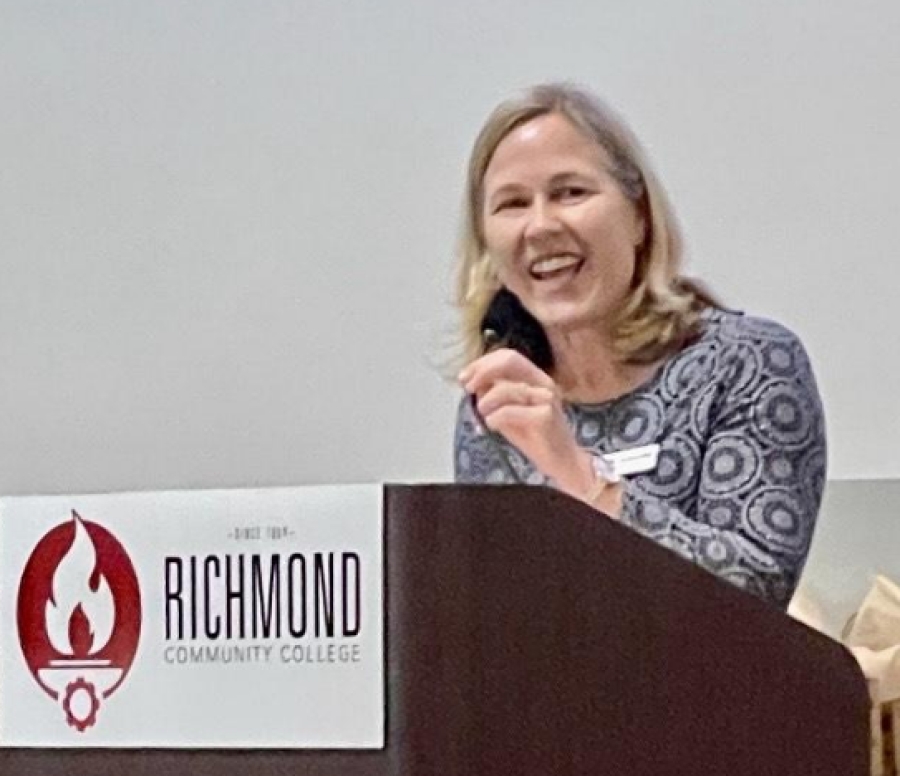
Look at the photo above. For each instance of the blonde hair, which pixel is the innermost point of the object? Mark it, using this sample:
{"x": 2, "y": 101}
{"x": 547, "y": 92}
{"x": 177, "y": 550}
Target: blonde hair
{"x": 663, "y": 309}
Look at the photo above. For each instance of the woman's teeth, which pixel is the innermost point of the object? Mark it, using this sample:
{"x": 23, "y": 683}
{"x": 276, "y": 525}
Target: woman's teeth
{"x": 552, "y": 265}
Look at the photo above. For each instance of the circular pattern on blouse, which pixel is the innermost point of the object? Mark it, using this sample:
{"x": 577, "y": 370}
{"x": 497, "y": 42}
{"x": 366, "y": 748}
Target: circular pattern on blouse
{"x": 777, "y": 518}
{"x": 588, "y": 431}
{"x": 716, "y": 553}
{"x": 636, "y": 422}
{"x": 781, "y": 417}
{"x": 684, "y": 371}
{"x": 651, "y": 516}
{"x": 779, "y": 468}
{"x": 701, "y": 409}
{"x": 732, "y": 463}
{"x": 746, "y": 366}
{"x": 677, "y": 469}
{"x": 779, "y": 359}
{"x": 723, "y": 513}
{"x": 812, "y": 474}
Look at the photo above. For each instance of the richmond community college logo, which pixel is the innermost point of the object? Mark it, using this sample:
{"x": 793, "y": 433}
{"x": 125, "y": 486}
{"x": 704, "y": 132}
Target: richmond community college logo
{"x": 79, "y": 617}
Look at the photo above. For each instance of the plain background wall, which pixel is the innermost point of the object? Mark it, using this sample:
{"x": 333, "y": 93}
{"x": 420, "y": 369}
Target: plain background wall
{"x": 857, "y": 537}
{"x": 226, "y": 228}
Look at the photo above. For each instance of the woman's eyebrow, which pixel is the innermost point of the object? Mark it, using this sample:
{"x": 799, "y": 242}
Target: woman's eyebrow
{"x": 568, "y": 175}
{"x": 513, "y": 188}
{"x": 504, "y": 190}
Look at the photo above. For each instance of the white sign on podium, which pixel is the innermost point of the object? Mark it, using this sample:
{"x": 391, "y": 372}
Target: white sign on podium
{"x": 204, "y": 619}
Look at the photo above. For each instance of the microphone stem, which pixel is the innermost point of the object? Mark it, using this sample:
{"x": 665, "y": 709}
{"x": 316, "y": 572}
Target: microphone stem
{"x": 496, "y": 443}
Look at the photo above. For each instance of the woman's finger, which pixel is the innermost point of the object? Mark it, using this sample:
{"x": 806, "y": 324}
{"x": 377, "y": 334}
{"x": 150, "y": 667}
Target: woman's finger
{"x": 504, "y": 392}
{"x": 524, "y": 425}
{"x": 503, "y": 364}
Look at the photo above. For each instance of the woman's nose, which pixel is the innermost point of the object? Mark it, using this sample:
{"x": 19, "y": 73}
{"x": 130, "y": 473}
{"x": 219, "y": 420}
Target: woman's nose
{"x": 542, "y": 219}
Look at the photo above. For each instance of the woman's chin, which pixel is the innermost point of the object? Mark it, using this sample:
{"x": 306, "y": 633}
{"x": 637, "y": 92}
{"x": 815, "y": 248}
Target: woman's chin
{"x": 567, "y": 320}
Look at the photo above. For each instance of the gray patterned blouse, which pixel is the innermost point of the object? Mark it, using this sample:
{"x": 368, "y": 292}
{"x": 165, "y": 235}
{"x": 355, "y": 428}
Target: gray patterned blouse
{"x": 742, "y": 463}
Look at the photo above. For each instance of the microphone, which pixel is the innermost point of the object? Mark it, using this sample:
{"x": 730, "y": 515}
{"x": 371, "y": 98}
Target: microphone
{"x": 510, "y": 325}
{"x": 492, "y": 341}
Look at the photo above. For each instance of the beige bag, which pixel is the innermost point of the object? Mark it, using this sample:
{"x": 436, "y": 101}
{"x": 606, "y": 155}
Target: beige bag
{"x": 873, "y": 636}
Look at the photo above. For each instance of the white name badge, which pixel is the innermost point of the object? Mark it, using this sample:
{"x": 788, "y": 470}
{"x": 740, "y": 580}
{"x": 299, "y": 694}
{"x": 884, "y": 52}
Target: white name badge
{"x": 635, "y": 460}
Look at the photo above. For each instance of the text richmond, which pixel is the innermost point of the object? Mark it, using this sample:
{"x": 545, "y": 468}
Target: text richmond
{"x": 263, "y": 596}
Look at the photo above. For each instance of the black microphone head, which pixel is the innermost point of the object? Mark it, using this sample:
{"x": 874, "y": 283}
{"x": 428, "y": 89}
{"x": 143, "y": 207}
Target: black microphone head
{"x": 508, "y": 324}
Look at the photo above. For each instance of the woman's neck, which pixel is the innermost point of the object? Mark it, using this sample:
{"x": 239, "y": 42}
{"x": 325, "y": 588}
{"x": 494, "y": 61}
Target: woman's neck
{"x": 587, "y": 369}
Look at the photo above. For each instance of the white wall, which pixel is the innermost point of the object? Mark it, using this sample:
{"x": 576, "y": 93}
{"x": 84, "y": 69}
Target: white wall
{"x": 226, "y": 227}
{"x": 856, "y": 539}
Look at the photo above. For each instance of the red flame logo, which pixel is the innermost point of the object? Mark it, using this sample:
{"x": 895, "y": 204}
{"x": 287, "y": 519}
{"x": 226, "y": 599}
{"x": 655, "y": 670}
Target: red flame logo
{"x": 79, "y": 616}
{"x": 80, "y": 613}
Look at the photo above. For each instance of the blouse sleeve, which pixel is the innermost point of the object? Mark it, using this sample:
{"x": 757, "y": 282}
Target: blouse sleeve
{"x": 478, "y": 457}
{"x": 761, "y": 477}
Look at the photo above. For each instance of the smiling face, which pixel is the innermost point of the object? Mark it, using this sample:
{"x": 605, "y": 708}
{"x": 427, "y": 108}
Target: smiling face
{"x": 559, "y": 227}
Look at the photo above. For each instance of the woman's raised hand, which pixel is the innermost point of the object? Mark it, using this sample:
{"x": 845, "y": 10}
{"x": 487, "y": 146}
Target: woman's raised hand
{"x": 521, "y": 402}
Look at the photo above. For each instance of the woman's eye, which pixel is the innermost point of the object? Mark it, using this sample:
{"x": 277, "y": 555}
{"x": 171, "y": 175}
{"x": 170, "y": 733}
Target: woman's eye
{"x": 572, "y": 193}
{"x": 510, "y": 204}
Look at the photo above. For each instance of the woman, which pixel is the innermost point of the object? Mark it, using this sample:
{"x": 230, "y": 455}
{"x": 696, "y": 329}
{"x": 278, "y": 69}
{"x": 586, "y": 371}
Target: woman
{"x": 570, "y": 248}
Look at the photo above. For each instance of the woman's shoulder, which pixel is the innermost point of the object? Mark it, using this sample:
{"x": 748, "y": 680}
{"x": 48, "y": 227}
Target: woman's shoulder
{"x": 735, "y": 336}
{"x": 753, "y": 350}
{"x": 733, "y": 349}
{"x": 735, "y": 327}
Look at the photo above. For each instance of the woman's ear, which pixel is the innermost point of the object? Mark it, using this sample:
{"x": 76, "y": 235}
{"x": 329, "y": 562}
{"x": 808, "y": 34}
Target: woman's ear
{"x": 493, "y": 269}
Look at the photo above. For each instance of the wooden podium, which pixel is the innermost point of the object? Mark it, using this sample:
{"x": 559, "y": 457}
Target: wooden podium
{"x": 528, "y": 635}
